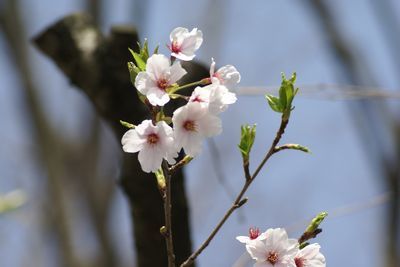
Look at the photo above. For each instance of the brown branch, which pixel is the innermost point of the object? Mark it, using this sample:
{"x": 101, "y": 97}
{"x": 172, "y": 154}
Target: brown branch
{"x": 240, "y": 201}
{"x": 167, "y": 215}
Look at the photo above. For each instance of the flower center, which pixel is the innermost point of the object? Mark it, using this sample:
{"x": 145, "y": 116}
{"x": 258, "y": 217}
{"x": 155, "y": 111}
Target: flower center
{"x": 254, "y": 233}
{"x": 175, "y": 47}
{"x": 198, "y": 99}
{"x": 299, "y": 262}
{"x": 152, "y": 139}
{"x": 189, "y": 126}
{"x": 272, "y": 257}
{"x": 162, "y": 83}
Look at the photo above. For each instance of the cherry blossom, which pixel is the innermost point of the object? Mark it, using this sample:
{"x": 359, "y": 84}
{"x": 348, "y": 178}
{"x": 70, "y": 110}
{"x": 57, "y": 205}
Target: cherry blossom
{"x": 159, "y": 75}
{"x": 310, "y": 256}
{"x": 216, "y": 97}
{"x": 192, "y": 123}
{"x": 185, "y": 43}
{"x": 154, "y": 143}
{"x": 254, "y": 234}
{"x": 226, "y": 75}
{"x": 276, "y": 250}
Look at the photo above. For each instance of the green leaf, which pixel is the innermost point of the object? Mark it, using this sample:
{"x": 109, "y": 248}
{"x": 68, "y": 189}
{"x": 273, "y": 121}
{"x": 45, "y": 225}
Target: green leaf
{"x": 144, "y": 51}
{"x": 156, "y": 49}
{"x": 127, "y": 124}
{"x": 283, "y": 104}
{"x": 274, "y": 103}
{"x": 248, "y": 135}
{"x": 283, "y": 94}
{"x": 140, "y": 62}
{"x": 133, "y": 72}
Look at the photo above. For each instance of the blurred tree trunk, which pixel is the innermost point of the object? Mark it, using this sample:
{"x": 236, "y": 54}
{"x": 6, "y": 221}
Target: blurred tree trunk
{"x": 97, "y": 65}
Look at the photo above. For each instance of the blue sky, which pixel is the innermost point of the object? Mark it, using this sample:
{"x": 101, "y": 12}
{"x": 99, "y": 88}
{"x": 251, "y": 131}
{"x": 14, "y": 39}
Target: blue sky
{"x": 262, "y": 39}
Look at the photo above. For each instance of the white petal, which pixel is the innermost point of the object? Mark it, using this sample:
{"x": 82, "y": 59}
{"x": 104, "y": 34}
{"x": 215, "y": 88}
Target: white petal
{"x": 143, "y": 127}
{"x": 177, "y": 72}
{"x": 191, "y": 43}
{"x": 263, "y": 264}
{"x": 131, "y": 141}
{"x": 150, "y": 159}
{"x": 192, "y": 145}
{"x": 229, "y": 75}
{"x": 212, "y": 67}
{"x": 257, "y": 250}
{"x": 243, "y": 239}
{"x": 210, "y": 125}
{"x": 177, "y": 33}
{"x": 183, "y": 56}
{"x": 158, "y": 65}
{"x": 143, "y": 82}
{"x": 157, "y": 97}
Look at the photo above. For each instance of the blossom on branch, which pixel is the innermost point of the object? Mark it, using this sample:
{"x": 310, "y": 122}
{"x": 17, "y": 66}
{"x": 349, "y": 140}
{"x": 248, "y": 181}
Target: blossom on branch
{"x": 192, "y": 123}
{"x": 154, "y": 143}
{"x": 214, "y": 96}
{"x": 310, "y": 256}
{"x": 159, "y": 75}
{"x": 254, "y": 234}
{"x": 226, "y": 75}
{"x": 185, "y": 43}
{"x": 276, "y": 250}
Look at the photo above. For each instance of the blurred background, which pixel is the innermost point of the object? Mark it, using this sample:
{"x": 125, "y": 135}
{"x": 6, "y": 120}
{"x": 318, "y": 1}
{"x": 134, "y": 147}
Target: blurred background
{"x": 346, "y": 55}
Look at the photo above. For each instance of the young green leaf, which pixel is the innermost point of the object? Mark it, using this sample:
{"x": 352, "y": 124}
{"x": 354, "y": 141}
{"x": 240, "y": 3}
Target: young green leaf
{"x": 127, "y": 124}
{"x": 140, "y": 62}
{"x": 248, "y": 134}
{"x": 274, "y": 103}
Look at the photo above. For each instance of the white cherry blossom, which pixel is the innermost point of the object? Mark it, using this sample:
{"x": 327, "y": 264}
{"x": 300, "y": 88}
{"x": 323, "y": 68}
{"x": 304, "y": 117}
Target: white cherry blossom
{"x": 185, "y": 43}
{"x": 254, "y": 234}
{"x": 226, "y": 75}
{"x": 216, "y": 97}
{"x": 192, "y": 123}
{"x": 158, "y": 76}
{"x": 276, "y": 250}
{"x": 310, "y": 256}
{"x": 154, "y": 143}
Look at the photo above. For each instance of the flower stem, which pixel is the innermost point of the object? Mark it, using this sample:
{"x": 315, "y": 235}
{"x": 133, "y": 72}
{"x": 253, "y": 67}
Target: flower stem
{"x": 239, "y": 199}
{"x": 201, "y": 82}
{"x": 168, "y": 214}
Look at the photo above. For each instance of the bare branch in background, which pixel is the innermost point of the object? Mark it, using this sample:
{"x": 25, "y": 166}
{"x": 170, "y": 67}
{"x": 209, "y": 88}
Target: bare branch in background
{"x": 373, "y": 120}
{"x": 42, "y": 133}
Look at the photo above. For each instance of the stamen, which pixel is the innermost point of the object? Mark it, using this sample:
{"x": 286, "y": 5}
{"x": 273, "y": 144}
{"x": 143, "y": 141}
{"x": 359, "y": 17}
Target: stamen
{"x": 272, "y": 257}
{"x": 175, "y": 48}
{"x": 162, "y": 83}
{"x": 152, "y": 139}
{"x": 189, "y": 126}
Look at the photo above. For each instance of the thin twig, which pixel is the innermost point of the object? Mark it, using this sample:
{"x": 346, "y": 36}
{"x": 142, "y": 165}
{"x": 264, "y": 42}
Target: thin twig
{"x": 167, "y": 231}
{"x": 239, "y": 201}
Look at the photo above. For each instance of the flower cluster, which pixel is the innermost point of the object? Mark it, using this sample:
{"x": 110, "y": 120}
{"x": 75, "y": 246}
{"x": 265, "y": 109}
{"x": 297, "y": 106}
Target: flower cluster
{"x": 273, "y": 248}
{"x": 156, "y": 80}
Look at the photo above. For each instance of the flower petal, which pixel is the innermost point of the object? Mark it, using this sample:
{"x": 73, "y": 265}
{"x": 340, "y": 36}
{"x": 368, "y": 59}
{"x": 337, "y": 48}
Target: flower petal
{"x": 131, "y": 141}
{"x": 177, "y": 72}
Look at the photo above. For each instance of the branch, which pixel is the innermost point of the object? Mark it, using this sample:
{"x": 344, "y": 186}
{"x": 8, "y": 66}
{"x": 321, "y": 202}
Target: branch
{"x": 240, "y": 201}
